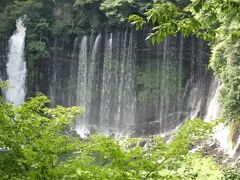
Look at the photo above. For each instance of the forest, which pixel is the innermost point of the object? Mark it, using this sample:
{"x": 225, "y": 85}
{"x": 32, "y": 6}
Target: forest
{"x": 120, "y": 89}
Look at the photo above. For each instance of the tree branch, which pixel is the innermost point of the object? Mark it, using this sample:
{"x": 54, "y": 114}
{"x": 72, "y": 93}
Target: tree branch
{"x": 156, "y": 167}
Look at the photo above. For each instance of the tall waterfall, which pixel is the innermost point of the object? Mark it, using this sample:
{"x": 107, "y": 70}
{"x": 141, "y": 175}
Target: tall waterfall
{"x": 105, "y": 85}
{"x": 82, "y": 88}
{"x": 85, "y": 82}
{"x": 16, "y": 66}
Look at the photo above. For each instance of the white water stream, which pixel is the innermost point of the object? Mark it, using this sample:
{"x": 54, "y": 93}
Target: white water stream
{"x": 117, "y": 96}
{"x": 16, "y": 66}
{"x": 221, "y": 132}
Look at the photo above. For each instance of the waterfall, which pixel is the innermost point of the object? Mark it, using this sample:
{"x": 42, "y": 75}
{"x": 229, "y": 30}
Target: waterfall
{"x": 106, "y": 84}
{"x": 85, "y": 83}
{"x": 82, "y": 99}
{"x": 122, "y": 114}
{"x": 213, "y": 107}
{"x": 162, "y": 87}
{"x": 129, "y": 87}
{"x": 16, "y": 66}
{"x": 53, "y": 84}
{"x": 176, "y": 85}
{"x": 82, "y": 73}
{"x": 71, "y": 88}
{"x": 222, "y": 132}
{"x": 197, "y": 94}
{"x": 126, "y": 93}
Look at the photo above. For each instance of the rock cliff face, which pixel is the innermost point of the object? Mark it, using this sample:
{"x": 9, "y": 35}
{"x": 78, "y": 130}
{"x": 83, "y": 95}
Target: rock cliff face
{"x": 3, "y": 58}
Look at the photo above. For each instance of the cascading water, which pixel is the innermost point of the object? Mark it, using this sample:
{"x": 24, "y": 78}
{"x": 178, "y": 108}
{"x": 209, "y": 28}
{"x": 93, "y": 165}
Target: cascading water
{"x": 221, "y": 132}
{"x": 16, "y": 66}
{"x": 129, "y": 87}
{"x": 114, "y": 72}
{"x": 82, "y": 91}
{"x": 129, "y": 98}
{"x": 213, "y": 107}
{"x": 106, "y": 84}
{"x": 124, "y": 111}
{"x": 170, "y": 87}
{"x": 85, "y": 82}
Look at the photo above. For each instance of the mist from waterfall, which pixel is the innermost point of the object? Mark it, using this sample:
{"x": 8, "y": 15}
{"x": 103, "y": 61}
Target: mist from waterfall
{"x": 16, "y": 66}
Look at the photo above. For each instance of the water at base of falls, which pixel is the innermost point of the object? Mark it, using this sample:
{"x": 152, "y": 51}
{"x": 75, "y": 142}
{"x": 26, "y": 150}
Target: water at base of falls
{"x": 16, "y": 66}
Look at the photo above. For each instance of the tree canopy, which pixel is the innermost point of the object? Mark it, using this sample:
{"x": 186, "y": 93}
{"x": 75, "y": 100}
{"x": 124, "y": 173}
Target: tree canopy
{"x": 35, "y": 145}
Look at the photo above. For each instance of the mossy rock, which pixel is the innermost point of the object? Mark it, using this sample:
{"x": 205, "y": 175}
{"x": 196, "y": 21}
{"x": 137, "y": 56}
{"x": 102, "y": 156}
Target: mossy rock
{"x": 234, "y": 132}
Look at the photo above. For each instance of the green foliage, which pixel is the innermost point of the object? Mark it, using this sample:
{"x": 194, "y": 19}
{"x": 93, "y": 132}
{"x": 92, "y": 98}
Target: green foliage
{"x": 168, "y": 19}
{"x": 112, "y": 8}
{"x": 4, "y": 84}
{"x": 205, "y": 19}
{"x": 116, "y": 11}
{"x": 106, "y": 158}
{"x": 37, "y": 50}
{"x": 225, "y": 62}
{"x": 35, "y": 146}
{"x": 234, "y": 133}
{"x": 32, "y": 138}
{"x": 231, "y": 173}
{"x": 222, "y": 16}
{"x": 119, "y": 10}
{"x": 38, "y": 19}
{"x": 89, "y": 17}
{"x": 7, "y": 18}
